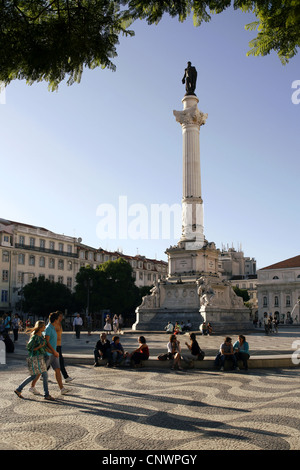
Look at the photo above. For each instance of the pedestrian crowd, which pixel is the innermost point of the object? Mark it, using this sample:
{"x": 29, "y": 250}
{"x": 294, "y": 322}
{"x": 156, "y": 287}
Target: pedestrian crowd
{"x": 44, "y": 349}
{"x": 271, "y": 325}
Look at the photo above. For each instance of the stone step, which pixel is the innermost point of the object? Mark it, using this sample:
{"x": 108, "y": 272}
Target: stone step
{"x": 255, "y": 362}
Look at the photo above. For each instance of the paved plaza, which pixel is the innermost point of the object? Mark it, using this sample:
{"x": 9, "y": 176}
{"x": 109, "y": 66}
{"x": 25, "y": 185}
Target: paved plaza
{"x": 155, "y": 409}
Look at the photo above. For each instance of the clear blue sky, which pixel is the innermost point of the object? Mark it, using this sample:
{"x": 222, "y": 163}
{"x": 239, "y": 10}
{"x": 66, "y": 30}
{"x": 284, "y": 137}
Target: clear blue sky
{"x": 65, "y": 153}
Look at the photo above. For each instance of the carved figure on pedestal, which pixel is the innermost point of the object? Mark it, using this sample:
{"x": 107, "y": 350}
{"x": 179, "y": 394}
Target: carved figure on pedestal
{"x": 236, "y": 301}
{"x": 152, "y": 300}
{"x": 205, "y": 291}
{"x": 155, "y": 293}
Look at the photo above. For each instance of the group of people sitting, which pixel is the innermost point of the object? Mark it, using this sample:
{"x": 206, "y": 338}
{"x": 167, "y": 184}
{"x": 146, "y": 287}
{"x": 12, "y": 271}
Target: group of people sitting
{"x": 174, "y": 352}
{"x": 238, "y": 351}
{"x": 178, "y": 327}
{"x": 206, "y": 329}
{"x": 115, "y": 354}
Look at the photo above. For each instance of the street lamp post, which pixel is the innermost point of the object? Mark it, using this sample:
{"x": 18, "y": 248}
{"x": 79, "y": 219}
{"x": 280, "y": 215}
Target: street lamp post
{"x": 88, "y": 283}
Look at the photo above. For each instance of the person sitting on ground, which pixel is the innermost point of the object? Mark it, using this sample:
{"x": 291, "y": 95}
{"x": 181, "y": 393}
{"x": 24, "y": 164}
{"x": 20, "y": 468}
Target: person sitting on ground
{"x": 117, "y": 350}
{"x": 241, "y": 350}
{"x": 195, "y": 350}
{"x": 177, "y": 328}
{"x": 141, "y": 353}
{"x": 209, "y": 329}
{"x": 203, "y": 328}
{"x": 102, "y": 350}
{"x": 187, "y": 326}
{"x": 174, "y": 350}
{"x": 226, "y": 353}
{"x": 169, "y": 328}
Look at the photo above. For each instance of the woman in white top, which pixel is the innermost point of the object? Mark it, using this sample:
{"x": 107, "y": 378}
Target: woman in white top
{"x": 174, "y": 350}
{"x": 107, "y": 326}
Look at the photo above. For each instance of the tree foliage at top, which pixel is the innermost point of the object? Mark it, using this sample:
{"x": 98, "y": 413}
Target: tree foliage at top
{"x": 48, "y": 41}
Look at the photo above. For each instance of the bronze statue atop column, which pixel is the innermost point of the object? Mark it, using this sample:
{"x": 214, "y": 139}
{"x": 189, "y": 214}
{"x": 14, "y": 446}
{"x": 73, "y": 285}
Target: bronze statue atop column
{"x": 190, "y": 78}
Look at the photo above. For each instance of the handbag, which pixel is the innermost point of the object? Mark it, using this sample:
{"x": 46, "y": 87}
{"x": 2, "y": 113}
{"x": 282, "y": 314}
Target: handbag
{"x": 36, "y": 365}
{"x": 164, "y": 357}
{"x": 201, "y": 355}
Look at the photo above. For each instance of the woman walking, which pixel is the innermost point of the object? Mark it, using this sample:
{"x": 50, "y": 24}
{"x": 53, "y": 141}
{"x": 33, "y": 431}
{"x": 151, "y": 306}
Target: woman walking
{"x": 36, "y": 347}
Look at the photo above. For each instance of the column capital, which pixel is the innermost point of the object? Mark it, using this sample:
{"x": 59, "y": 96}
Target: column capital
{"x": 190, "y": 115}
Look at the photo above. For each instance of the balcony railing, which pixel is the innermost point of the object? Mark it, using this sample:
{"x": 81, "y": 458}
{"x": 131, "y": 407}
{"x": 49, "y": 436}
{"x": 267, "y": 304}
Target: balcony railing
{"x": 39, "y": 249}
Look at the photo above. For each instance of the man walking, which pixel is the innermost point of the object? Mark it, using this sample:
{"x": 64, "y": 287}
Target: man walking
{"x": 77, "y": 324}
{"x": 59, "y": 331}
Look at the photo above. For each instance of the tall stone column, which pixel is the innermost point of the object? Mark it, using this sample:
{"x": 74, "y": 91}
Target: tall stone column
{"x": 191, "y": 119}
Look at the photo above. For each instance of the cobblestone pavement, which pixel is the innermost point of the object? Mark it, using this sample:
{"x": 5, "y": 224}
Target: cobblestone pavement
{"x": 161, "y": 410}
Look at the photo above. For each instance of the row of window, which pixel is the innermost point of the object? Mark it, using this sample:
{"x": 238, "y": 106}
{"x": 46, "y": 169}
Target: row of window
{"x": 21, "y": 260}
{"x": 98, "y": 257}
{"x": 244, "y": 286}
{"x": 69, "y": 283}
{"x": 42, "y": 244}
{"x": 5, "y": 272}
{"x": 30, "y": 276}
{"x": 276, "y": 301}
{"x": 149, "y": 276}
{"x": 103, "y": 258}
{"x": 276, "y": 277}
{"x": 42, "y": 262}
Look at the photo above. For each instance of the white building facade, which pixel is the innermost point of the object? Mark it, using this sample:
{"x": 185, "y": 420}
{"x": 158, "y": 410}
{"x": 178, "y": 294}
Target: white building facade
{"x": 27, "y": 251}
{"x": 278, "y": 291}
